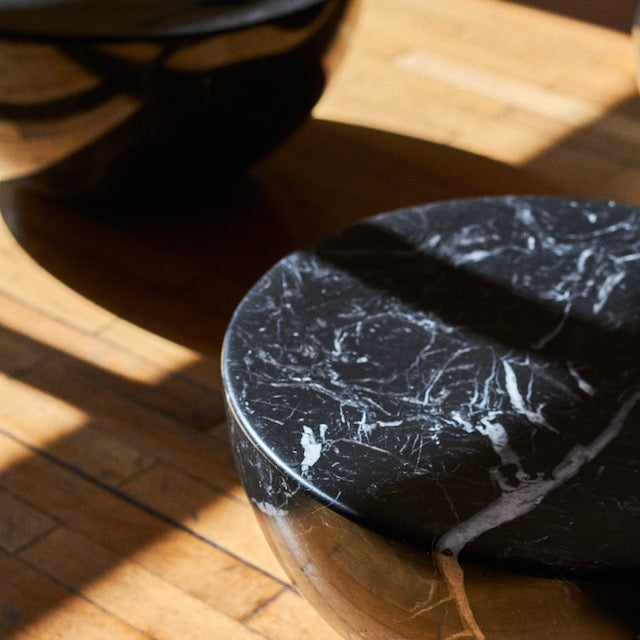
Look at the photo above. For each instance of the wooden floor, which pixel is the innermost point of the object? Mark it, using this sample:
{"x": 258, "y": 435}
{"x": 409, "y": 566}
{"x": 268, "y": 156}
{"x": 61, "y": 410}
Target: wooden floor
{"x": 121, "y": 515}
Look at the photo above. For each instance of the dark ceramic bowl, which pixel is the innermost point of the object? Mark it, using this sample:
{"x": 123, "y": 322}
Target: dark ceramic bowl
{"x": 435, "y": 415}
{"x": 101, "y": 98}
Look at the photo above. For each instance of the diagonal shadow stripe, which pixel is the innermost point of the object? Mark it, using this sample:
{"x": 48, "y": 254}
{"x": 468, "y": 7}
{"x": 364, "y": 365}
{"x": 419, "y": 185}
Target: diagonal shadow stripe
{"x": 595, "y": 11}
{"x": 476, "y": 303}
{"x": 68, "y": 477}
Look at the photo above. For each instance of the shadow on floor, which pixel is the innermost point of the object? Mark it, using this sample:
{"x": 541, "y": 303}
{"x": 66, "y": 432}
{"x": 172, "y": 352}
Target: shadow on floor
{"x": 618, "y": 15}
{"x": 180, "y": 269}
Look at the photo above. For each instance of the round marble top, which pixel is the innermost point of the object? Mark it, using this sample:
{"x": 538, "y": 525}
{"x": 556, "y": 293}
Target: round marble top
{"x": 464, "y": 374}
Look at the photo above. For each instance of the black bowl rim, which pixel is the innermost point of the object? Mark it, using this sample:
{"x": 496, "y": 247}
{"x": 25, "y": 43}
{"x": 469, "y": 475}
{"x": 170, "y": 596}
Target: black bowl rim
{"x": 82, "y": 20}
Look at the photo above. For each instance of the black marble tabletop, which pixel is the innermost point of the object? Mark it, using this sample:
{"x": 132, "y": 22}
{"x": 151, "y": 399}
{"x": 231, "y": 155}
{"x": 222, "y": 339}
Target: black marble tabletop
{"x": 464, "y": 374}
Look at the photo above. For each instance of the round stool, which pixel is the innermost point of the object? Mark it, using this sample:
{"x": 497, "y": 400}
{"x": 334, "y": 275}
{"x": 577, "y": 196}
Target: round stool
{"x": 436, "y": 416}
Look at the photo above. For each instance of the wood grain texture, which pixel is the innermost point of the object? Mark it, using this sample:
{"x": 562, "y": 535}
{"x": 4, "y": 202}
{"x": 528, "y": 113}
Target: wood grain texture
{"x": 121, "y": 514}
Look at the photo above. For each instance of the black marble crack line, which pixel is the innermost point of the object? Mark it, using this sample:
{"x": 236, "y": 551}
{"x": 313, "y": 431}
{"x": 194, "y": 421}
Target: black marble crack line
{"x": 605, "y": 290}
{"x": 357, "y": 403}
{"x": 419, "y": 451}
{"x": 597, "y": 233}
{"x": 518, "y": 402}
{"x": 515, "y": 502}
{"x": 528, "y": 495}
{"x": 550, "y": 335}
{"x": 499, "y": 438}
{"x": 631, "y": 257}
{"x": 583, "y": 384}
{"x": 441, "y": 371}
{"x": 448, "y": 498}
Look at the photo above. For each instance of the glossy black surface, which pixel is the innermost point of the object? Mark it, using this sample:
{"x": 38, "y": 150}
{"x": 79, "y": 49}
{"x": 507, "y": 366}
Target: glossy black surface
{"x": 461, "y": 379}
{"x": 129, "y": 19}
{"x": 100, "y": 102}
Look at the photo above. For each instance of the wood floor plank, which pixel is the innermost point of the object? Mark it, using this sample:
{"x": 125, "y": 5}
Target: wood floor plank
{"x": 128, "y": 531}
{"x": 196, "y": 366}
{"x": 20, "y": 524}
{"x": 131, "y": 249}
{"x": 23, "y": 279}
{"x": 35, "y": 607}
{"x": 70, "y": 352}
{"x": 289, "y": 617}
{"x": 45, "y": 422}
{"x": 18, "y": 354}
{"x": 192, "y": 406}
{"x": 120, "y": 270}
{"x": 220, "y": 580}
{"x": 145, "y": 429}
{"x": 120, "y": 347}
{"x": 481, "y": 49}
{"x": 130, "y": 592}
{"x": 158, "y": 382}
{"x": 77, "y": 502}
{"x": 228, "y": 523}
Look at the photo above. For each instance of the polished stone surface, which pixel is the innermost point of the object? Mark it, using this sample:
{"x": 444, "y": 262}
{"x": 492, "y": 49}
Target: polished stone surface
{"x": 143, "y": 99}
{"x": 462, "y": 377}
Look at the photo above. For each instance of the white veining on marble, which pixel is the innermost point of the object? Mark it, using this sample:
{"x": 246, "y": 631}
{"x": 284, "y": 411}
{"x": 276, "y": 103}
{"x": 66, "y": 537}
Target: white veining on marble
{"x": 269, "y": 509}
{"x": 514, "y": 502}
{"x": 583, "y": 384}
{"x": 365, "y": 375}
{"x": 544, "y": 340}
{"x": 312, "y": 447}
{"x": 518, "y": 402}
{"x": 499, "y": 438}
{"x": 518, "y": 500}
{"x": 606, "y": 288}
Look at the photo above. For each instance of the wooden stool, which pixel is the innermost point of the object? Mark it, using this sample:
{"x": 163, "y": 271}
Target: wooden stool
{"x": 435, "y": 414}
